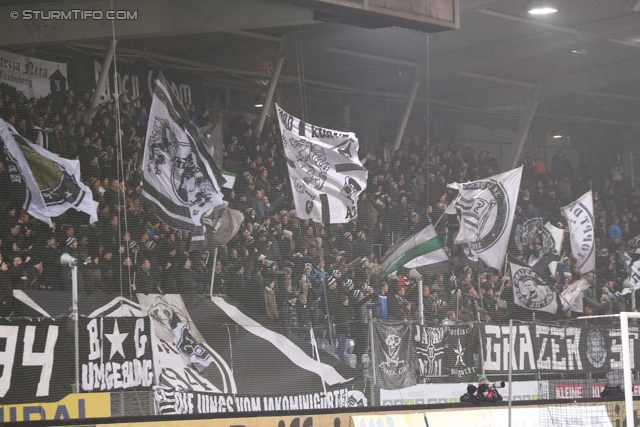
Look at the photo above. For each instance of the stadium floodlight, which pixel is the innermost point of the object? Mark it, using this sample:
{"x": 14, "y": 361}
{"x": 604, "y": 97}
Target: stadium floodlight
{"x": 626, "y": 365}
{"x": 540, "y": 7}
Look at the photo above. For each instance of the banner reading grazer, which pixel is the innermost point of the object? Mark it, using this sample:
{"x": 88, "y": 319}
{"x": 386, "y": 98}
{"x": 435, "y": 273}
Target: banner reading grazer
{"x": 555, "y": 348}
{"x": 115, "y": 353}
{"x": 326, "y": 174}
{"x": 34, "y": 77}
{"x": 169, "y": 401}
{"x": 393, "y": 354}
{"x": 37, "y": 365}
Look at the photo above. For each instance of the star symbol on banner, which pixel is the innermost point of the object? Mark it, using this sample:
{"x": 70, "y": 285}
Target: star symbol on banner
{"x": 459, "y": 354}
{"x": 116, "y": 339}
{"x": 68, "y": 194}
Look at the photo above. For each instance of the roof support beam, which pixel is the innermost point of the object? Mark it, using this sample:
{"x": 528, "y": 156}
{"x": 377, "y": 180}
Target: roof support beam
{"x": 496, "y": 79}
{"x": 407, "y": 112}
{"x": 525, "y": 124}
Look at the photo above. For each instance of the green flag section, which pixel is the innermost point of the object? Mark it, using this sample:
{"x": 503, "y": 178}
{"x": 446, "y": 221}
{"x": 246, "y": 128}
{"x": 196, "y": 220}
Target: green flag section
{"x": 421, "y": 249}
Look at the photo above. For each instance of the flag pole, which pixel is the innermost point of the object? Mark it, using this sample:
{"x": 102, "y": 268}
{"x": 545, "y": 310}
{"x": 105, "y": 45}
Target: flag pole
{"x": 445, "y": 211}
{"x": 504, "y": 275}
{"x": 421, "y": 302}
{"x": 213, "y": 272}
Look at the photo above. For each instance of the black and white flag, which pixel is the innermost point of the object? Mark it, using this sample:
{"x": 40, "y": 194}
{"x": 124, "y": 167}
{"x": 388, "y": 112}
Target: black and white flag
{"x": 35, "y": 359}
{"x": 326, "y": 174}
{"x": 552, "y": 237}
{"x": 52, "y": 183}
{"x": 182, "y": 357}
{"x": 556, "y": 348}
{"x": 393, "y": 355}
{"x": 171, "y": 402}
{"x": 580, "y": 218}
{"x": 462, "y": 343}
{"x": 572, "y": 298}
{"x": 530, "y": 291}
{"x": 634, "y": 243}
{"x": 527, "y": 231}
{"x": 486, "y": 208}
{"x": 430, "y": 350}
{"x": 115, "y": 353}
{"x": 179, "y": 177}
{"x": 632, "y": 267}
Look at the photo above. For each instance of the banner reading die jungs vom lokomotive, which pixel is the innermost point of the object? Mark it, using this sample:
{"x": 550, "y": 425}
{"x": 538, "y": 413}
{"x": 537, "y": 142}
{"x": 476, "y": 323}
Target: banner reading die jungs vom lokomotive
{"x": 34, "y": 77}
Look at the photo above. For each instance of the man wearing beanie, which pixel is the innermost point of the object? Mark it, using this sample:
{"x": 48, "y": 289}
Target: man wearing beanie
{"x": 471, "y": 396}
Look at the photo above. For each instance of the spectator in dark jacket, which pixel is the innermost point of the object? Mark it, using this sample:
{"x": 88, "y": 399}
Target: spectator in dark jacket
{"x": 6, "y": 290}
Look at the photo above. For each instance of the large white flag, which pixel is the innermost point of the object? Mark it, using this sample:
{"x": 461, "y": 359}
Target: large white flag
{"x": 52, "y": 183}
{"x": 552, "y": 243}
{"x": 530, "y": 291}
{"x": 325, "y": 172}
{"x": 572, "y": 298}
{"x": 179, "y": 177}
{"x": 580, "y": 218}
{"x": 486, "y": 208}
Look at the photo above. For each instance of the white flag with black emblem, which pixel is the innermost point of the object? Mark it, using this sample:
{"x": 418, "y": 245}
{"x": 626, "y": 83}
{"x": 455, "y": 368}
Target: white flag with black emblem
{"x": 179, "y": 177}
{"x": 52, "y": 183}
{"x": 579, "y": 216}
{"x": 572, "y": 298}
{"x": 325, "y": 172}
{"x": 530, "y": 291}
{"x": 552, "y": 243}
{"x": 486, "y": 208}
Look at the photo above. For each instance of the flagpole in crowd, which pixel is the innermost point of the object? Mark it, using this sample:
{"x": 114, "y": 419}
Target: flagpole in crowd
{"x": 421, "y": 302}
{"x": 213, "y": 272}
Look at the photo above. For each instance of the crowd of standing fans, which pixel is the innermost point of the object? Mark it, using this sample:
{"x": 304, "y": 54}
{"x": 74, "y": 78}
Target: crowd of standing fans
{"x": 296, "y": 272}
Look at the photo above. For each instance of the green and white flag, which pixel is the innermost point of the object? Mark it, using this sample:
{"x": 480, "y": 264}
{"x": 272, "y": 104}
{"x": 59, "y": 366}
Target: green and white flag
{"x": 423, "y": 248}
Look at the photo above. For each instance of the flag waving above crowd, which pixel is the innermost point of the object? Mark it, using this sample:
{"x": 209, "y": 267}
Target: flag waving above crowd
{"x": 52, "y": 183}
{"x": 486, "y": 214}
{"x": 530, "y": 291}
{"x": 326, "y": 174}
{"x": 418, "y": 250}
{"x": 579, "y": 215}
{"x": 180, "y": 177}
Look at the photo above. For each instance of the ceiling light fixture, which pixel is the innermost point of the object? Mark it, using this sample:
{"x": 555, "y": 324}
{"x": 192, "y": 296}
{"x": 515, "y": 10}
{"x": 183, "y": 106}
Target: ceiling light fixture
{"x": 540, "y": 7}
{"x": 580, "y": 51}
{"x": 557, "y": 136}
{"x": 259, "y": 102}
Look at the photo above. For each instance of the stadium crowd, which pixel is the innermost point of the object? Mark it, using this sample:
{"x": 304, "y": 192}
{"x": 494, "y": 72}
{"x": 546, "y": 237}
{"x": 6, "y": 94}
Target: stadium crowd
{"x": 290, "y": 270}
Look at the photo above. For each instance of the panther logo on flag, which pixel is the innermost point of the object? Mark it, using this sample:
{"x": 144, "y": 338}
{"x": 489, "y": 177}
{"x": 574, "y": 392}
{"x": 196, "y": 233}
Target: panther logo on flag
{"x": 548, "y": 242}
{"x": 485, "y": 209}
{"x": 526, "y": 232}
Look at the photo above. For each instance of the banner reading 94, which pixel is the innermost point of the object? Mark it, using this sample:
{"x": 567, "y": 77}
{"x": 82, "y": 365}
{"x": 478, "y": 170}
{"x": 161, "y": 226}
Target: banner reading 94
{"x": 35, "y": 363}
